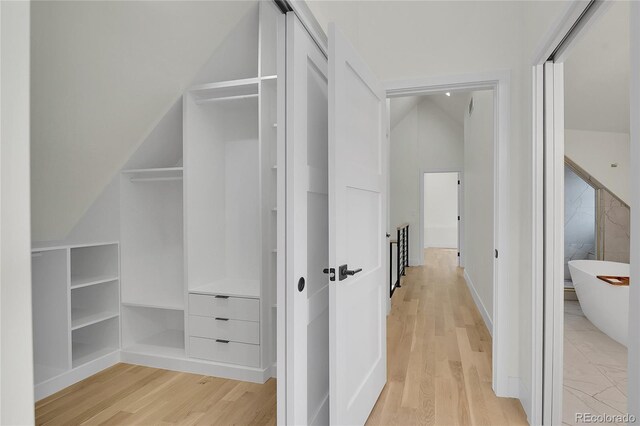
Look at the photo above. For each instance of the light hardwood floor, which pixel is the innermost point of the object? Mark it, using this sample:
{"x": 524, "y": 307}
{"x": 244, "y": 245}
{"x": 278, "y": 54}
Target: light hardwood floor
{"x": 439, "y": 354}
{"x": 439, "y": 373}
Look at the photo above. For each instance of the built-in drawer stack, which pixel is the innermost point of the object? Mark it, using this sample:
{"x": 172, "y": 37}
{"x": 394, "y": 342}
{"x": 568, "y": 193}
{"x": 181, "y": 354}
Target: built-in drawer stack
{"x": 224, "y": 329}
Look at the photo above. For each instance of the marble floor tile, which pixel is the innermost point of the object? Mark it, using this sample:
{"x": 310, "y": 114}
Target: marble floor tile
{"x": 595, "y": 369}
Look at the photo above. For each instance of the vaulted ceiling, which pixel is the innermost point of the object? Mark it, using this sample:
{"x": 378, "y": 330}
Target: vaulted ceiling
{"x": 103, "y": 73}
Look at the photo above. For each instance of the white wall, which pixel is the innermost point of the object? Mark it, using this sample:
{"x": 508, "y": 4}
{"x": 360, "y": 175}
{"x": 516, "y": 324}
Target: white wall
{"x": 595, "y": 152}
{"x": 427, "y": 139}
{"x": 103, "y": 74}
{"x": 16, "y": 348}
{"x": 441, "y": 210}
{"x": 416, "y": 39}
{"x": 479, "y": 199}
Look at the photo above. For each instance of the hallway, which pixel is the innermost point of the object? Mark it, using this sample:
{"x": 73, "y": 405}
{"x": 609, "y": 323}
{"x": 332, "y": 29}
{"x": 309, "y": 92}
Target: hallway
{"x": 439, "y": 354}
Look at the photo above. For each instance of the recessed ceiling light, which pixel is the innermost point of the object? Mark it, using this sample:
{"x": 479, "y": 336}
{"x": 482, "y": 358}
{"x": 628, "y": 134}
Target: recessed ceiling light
{"x": 448, "y": 93}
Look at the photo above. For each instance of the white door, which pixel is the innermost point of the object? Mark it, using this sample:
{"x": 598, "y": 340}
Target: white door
{"x": 307, "y": 240}
{"x": 357, "y": 227}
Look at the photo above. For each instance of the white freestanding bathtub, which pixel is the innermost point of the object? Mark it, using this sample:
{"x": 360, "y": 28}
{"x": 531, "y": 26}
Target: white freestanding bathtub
{"x": 604, "y": 304}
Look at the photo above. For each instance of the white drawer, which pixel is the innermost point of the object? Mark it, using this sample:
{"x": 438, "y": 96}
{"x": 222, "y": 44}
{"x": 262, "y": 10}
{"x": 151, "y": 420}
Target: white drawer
{"x": 231, "y": 352}
{"x": 238, "y": 308}
{"x": 224, "y": 328}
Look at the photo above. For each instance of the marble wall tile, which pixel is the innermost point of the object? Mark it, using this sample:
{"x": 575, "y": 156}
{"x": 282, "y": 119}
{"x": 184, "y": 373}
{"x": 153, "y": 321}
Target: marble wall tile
{"x": 579, "y": 219}
{"x": 615, "y": 228}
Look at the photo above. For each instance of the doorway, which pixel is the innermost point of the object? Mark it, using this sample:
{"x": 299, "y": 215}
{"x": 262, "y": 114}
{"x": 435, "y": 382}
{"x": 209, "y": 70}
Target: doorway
{"x": 441, "y": 211}
{"x": 567, "y": 126}
{"x": 496, "y": 84}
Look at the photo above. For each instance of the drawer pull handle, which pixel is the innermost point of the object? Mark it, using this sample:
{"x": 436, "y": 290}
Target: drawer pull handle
{"x": 222, "y": 319}
{"x": 222, "y": 341}
{"x": 221, "y": 297}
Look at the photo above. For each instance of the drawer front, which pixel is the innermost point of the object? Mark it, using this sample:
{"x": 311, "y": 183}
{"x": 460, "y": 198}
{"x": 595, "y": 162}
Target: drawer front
{"x": 237, "y": 308}
{"x": 230, "y": 353}
{"x": 234, "y": 330}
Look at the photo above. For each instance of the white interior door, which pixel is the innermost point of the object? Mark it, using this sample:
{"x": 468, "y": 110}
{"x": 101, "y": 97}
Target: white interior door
{"x": 307, "y": 250}
{"x": 357, "y": 227}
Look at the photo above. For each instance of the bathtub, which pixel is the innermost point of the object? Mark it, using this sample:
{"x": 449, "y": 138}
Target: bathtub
{"x": 605, "y": 305}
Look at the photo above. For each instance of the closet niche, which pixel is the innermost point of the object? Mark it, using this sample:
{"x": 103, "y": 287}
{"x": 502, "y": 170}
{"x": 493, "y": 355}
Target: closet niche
{"x": 195, "y": 286}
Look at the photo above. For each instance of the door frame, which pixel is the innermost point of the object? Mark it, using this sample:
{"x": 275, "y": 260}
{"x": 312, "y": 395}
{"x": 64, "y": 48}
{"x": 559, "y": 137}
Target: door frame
{"x": 547, "y": 254}
{"x": 500, "y": 82}
{"x": 460, "y": 195}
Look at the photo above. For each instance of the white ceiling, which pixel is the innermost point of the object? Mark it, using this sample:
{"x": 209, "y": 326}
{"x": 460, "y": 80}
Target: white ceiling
{"x": 103, "y": 73}
{"x": 597, "y": 75}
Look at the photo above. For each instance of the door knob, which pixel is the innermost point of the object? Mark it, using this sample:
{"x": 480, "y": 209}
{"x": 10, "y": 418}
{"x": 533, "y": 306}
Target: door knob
{"x": 344, "y": 272}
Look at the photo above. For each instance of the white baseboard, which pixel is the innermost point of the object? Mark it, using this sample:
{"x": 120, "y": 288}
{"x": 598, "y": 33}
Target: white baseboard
{"x": 417, "y": 261}
{"x": 195, "y": 366}
{"x": 483, "y": 311}
{"x": 524, "y": 395}
{"x": 513, "y": 387}
{"x": 68, "y": 378}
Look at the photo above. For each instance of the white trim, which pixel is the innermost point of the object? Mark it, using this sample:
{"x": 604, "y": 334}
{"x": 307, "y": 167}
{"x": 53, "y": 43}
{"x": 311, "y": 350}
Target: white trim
{"x": 558, "y": 31}
{"x": 460, "y": 195}
{"x": 68, "y": 378}
{"x": 483, "y": 310}
{"x": 311, "y": 24}
{"x": 554, "y": 242}
{"x": 534, "y": 408}
{"x": 525, "y": 399}
{"x": 633, "y": 369}
{"x": 500, "y": 82}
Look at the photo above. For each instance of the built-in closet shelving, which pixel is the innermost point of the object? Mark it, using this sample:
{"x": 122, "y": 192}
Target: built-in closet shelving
{"x": 76, "y": 307}
{"x": 198, "y": 230}
{"x": 190, "y": 285}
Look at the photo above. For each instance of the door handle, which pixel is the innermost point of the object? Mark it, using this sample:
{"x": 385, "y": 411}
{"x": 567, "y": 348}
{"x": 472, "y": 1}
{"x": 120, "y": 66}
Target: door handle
{"x": 344, "y": 272}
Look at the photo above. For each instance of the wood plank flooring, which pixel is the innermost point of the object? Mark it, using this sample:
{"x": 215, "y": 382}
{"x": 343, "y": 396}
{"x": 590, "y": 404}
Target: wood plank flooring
{"x": 439, "y": 354}
{"x": 129, "y": 394}
{"x": 439, "y": 373}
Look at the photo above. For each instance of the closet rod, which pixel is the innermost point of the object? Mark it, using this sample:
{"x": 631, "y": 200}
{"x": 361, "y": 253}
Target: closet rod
{"x": 157, "y": 179}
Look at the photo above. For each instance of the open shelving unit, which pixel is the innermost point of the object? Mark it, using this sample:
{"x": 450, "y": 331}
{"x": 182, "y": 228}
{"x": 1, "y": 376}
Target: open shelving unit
{"x": 153, "y": 331}
{"x": 50, "y": 313}
{"x": 76, "y": 309}
{"x": 95, "y": 341}
{"x": 197, "y": 238}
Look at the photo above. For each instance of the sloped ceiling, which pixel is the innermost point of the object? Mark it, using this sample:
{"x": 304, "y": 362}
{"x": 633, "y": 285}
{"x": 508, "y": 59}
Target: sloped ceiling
{"x": 103, "y": 73}
{"x": 453, "y": 106}
{"x": 400, "y": 107}
{"x": 597, "y": 75}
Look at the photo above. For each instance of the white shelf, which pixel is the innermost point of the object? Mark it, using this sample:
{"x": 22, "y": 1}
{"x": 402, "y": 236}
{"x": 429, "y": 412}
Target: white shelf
{"x": 154, "y": 174}
{"x": 231, "y": 287}
{"x": 83, "y": 318}
{"x": 169, "y": 343}
{"x": 156, "y": 305}
{"x": 44, "y": 246}
{"x": 226, "y": 90}
{"x": 79, "y": 282}
{"x": 84, "y": 353}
